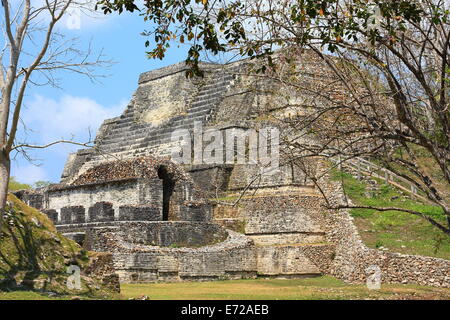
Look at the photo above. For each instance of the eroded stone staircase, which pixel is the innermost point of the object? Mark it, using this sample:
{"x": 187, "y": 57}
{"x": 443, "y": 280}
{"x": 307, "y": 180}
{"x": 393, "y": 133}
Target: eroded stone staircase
{"x": 129, "y": 133}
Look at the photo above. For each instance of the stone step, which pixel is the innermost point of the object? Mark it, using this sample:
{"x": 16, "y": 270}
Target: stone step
{"x": 126, "y": 122}
{"x": 185, "y": 122}
{"x": 200, "y": 113}
{"x": 205, "y": 102}
{"x": 128, "y": 136}
{"x": 120, "y": 145}
{"x": 200, "y": 109}
{"x": 209, "y": 93}
{"x": 149, "y": 135}
{"x": 122, "y": 128}
{"x": 215, "y": 86}
{"x": 123, "y": 131}
{"x": 124, "y": 143}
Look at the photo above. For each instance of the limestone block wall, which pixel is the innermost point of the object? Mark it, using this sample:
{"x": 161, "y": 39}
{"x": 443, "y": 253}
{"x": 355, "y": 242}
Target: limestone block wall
{"x": 72, "y": 214}
{"x": 282, "y": 214}
{"x": 286, "y": 261}
{"x": 245, "y": 175}
{"x": 229, "y": 216}
{"x": 151, "y": 233}
{"x": 128, "y": 199}
{"x": 284, "y": 219}
{"x": 101, "y": 211}
{"x": 187, "y": 205}
{"x": 353, "y": 258}
{"x": 139, "y": 213}
{"x": 51, "y": 214}
{"x": 33, "y": 198}
{"x": 210, "y": 178}
{"x": 106, "y": 201}
{"x": 202, "y": 212}
{"x": 233, "y": 258}
{"x": 238, "y": 263}
{"x": 212, "y": 252}
{"x": 172, "y": 233}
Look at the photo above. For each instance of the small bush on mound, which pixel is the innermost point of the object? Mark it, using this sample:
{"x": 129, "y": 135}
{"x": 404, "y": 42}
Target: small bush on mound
{"x": 15, "y": 185}
{"x": 34, "y": 256}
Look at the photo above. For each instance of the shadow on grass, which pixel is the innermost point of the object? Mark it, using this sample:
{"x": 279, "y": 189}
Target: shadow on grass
{"x": 23, "y": 256}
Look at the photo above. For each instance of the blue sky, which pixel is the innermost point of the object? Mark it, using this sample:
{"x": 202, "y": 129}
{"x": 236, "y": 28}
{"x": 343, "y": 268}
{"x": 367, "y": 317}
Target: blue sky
{"x": 51, "y": 114}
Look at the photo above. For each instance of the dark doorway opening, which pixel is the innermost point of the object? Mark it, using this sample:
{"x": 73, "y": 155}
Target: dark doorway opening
{"x": 168, "y": 186}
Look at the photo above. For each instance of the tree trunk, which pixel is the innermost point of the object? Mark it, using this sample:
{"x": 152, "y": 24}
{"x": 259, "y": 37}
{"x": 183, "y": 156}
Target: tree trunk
{"x": 5, "y": 169}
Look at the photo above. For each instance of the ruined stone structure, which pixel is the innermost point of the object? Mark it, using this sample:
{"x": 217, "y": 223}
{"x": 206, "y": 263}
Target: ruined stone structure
{"x": 171, "y": 222}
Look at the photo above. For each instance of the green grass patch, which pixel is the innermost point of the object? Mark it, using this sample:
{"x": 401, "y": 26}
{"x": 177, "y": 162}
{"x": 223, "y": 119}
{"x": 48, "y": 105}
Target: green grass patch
{"x": 36, "y": 295}
{"x": 398, "y": 231}
{"x": 318, "y": 288}
{"x": 25, "y": 295}
{"x": 15, "y": 185}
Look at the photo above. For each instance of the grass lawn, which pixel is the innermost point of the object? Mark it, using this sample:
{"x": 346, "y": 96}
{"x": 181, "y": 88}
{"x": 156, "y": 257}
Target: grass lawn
{"x": 27, "y": 295}
{"x": 34, "y": 295}
{"x": 319, "y": 288}
{"x": 397, "y": 231}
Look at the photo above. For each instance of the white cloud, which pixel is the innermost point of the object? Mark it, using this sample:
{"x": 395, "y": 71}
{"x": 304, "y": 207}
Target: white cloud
{"x": 81, "y": 14}
{"x": 55, "y": 119}
{"x": 29, "y": 173}
{"x": 70, "y": 116}
{"x": 79, "y": 19}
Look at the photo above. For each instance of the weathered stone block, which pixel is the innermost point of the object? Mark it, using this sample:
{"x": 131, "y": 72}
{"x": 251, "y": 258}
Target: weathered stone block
{"x": 72, "y": 214}
{"x": 78, "y": 214}
{"x": 78, "y": 237}
{"x": 33, "y": 198}
{"x": 195, "y": 213}
{"x": 140, "y": 213}
{"x": 101, "y": 211}
{"x": 52, "y": 215}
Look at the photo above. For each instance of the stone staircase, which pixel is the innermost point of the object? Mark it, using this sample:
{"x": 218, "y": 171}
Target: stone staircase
{"x": 128, "y": 134}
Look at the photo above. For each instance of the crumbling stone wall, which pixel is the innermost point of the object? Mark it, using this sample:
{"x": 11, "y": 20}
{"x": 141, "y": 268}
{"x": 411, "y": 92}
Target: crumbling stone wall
{"x": 102, "y": 201}
{"x": 172, "y": 233}
{"x": 140, "y": 212}
{"x": 101, "y": 266}
{"x": 289, "y": 261}
{"x": 283, "y": 213}
{"x": 52, "y": 214}
{"x": 33, "y": 198}
{"x": 277, "y": 216}
{"x": 353, "y": 257}
{"x": 230, "y": 259}
{"x": 179, "y": 251}
{"x": 101, "y": 211}
{"x": 234, "y": 258}
{"x": 195, "y": 212}
{"x": 73, "y": 214}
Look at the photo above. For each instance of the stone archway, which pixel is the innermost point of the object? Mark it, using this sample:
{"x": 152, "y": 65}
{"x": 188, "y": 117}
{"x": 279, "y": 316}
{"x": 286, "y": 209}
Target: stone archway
{"x": 168, "y": 187}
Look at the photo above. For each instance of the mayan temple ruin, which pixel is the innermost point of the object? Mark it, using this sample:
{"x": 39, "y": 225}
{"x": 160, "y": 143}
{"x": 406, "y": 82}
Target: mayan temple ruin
{"x": 207, "y": 220}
